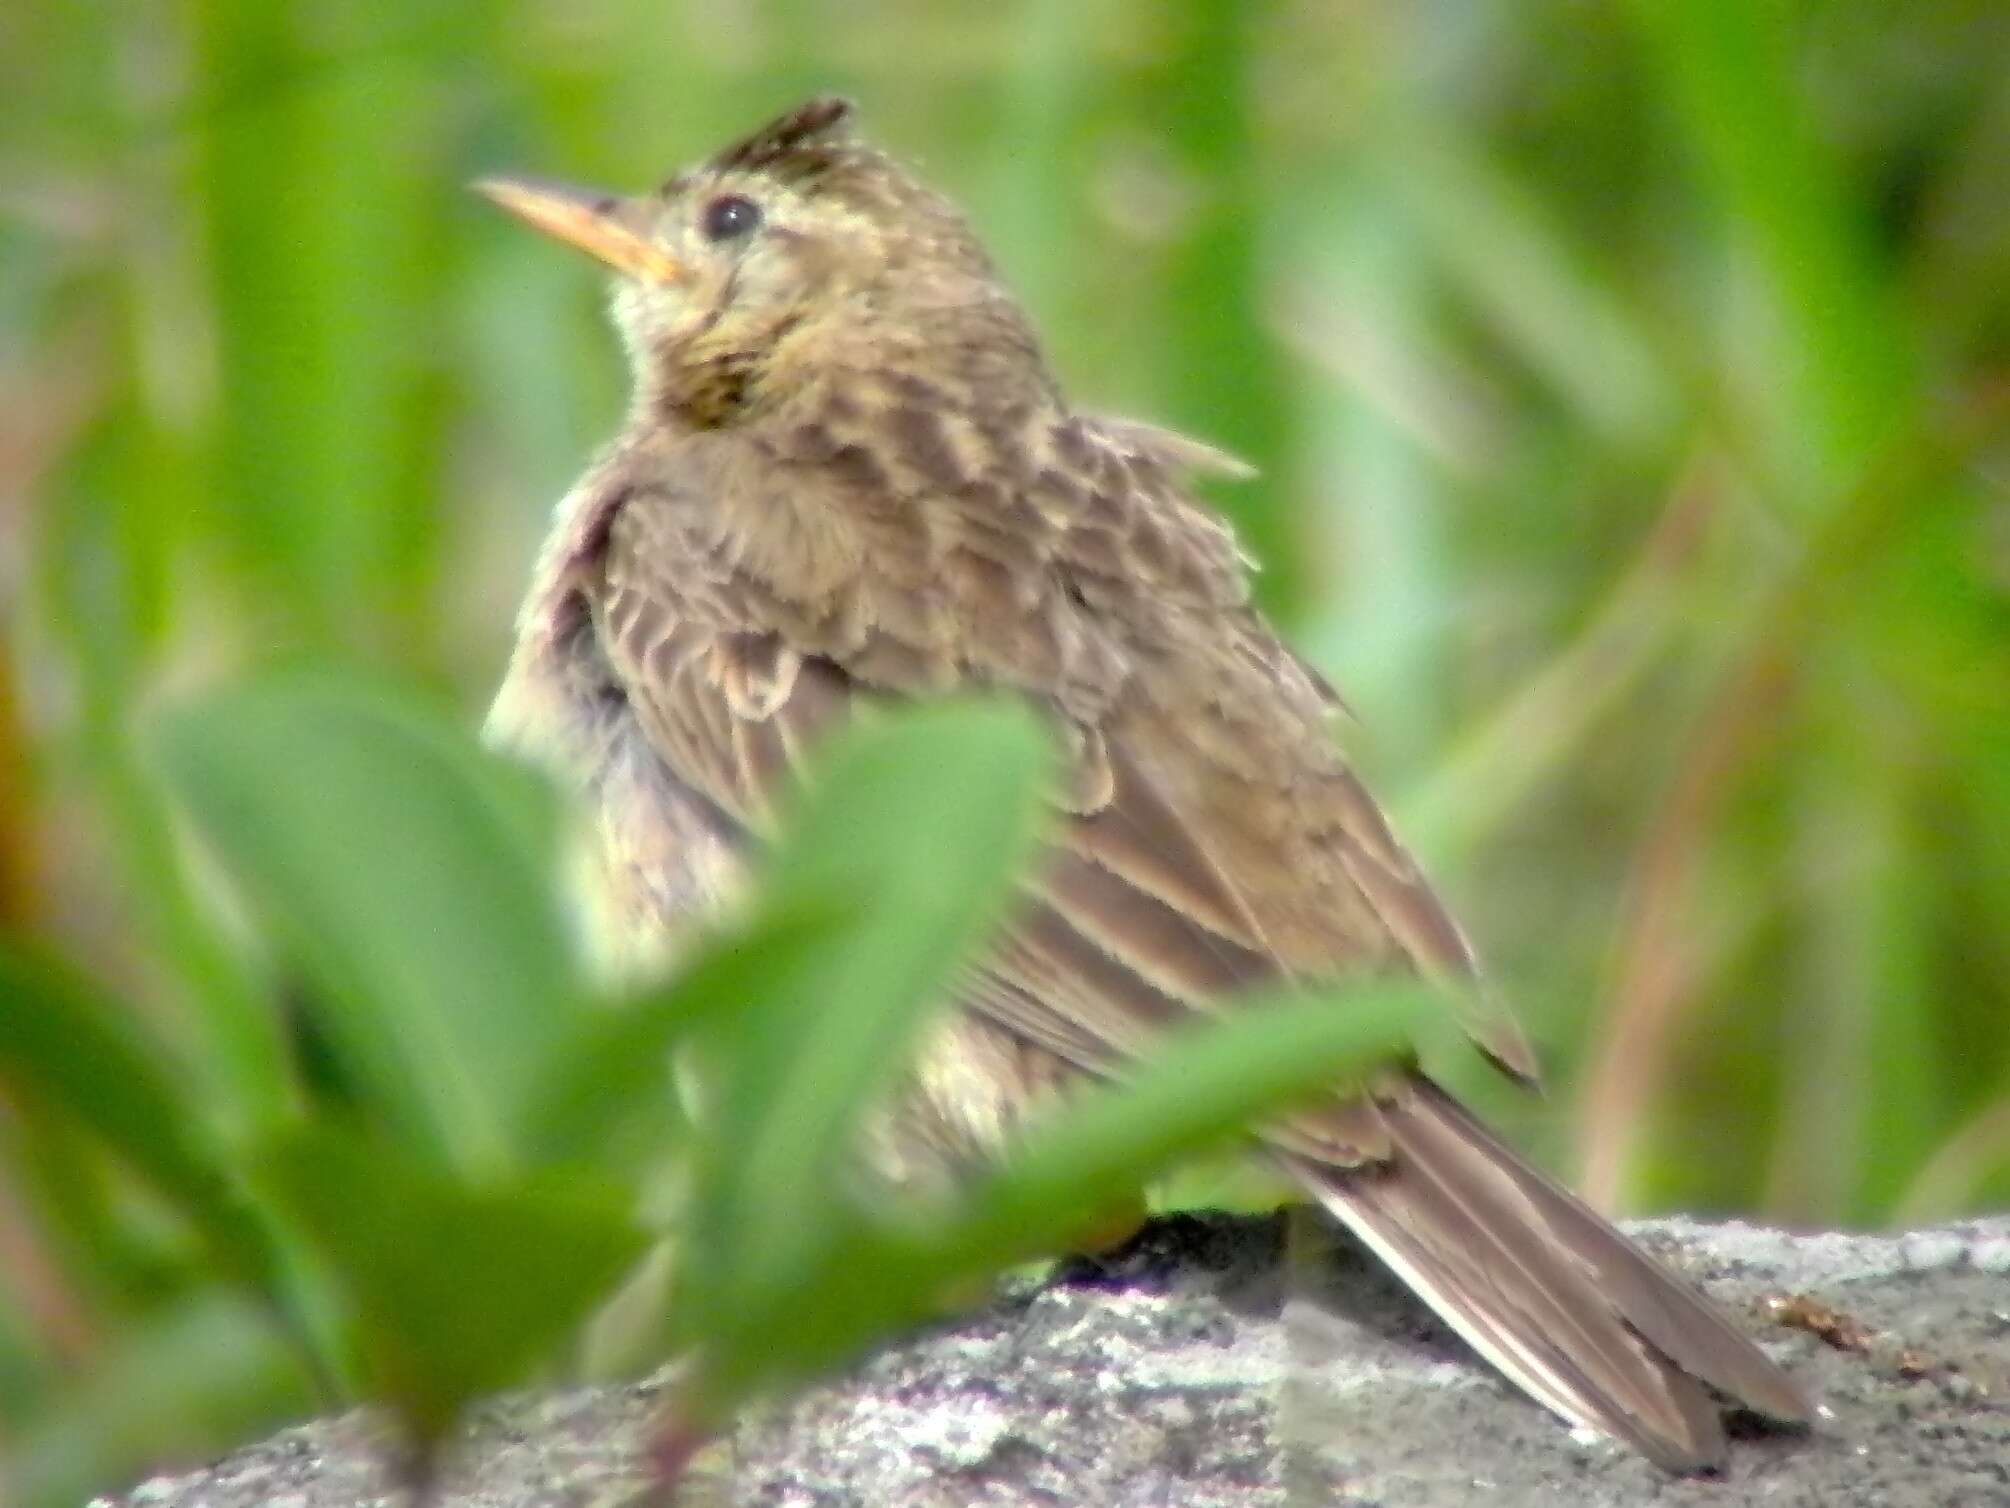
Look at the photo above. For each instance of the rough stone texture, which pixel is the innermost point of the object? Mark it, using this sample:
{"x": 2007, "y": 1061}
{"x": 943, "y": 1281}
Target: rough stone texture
{"x": 1171, "y": 1375}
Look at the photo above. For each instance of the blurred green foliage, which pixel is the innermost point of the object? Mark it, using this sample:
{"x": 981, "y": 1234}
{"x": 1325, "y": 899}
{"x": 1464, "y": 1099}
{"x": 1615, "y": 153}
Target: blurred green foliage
{"x": 1631, "y": 386}
{"x": 439, "y": 1230}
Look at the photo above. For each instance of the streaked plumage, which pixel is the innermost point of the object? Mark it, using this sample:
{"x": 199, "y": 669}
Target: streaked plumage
{"x": 849, "y": 476}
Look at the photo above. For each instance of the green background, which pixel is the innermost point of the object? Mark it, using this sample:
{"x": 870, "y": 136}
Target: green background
{"x": 1630, "y": 385}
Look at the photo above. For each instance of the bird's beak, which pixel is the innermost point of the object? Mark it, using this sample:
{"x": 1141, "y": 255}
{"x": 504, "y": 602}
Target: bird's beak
{"x": 592, "y": 222}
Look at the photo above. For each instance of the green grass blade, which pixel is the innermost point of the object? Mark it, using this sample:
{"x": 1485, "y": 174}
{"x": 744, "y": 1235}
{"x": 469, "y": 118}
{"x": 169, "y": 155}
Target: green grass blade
{"x": 1729, "y": 66}
{"x": 322, "y": 176}
{"x": 1220, "y": 374}
{"x": 1553, "y": 305}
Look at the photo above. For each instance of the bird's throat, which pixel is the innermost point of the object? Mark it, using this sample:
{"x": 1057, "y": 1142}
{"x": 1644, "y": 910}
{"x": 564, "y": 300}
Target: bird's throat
{"x": 716, "y": 377}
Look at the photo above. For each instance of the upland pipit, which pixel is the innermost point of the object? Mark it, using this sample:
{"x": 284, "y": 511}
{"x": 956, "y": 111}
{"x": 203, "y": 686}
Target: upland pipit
{"x": 848, "y": 475}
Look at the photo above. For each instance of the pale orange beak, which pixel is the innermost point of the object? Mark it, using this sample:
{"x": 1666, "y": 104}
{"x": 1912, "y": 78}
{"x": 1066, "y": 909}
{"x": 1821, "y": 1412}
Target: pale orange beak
{"x": 588, "y": 220}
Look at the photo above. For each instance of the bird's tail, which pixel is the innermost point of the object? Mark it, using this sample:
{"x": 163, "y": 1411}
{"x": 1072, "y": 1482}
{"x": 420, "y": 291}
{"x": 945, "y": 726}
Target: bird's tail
{"x": 1548, "y": 1291}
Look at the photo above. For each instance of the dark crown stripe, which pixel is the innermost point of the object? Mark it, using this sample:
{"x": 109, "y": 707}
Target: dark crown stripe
{"x": 805, "y": 138}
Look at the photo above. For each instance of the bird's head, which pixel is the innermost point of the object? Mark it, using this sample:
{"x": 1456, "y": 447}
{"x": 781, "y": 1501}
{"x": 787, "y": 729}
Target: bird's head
{"x": 792, "y": 256}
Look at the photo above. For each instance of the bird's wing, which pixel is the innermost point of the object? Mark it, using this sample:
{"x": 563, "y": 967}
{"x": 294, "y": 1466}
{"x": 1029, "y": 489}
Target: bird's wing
{"x": 1212, "y": 838}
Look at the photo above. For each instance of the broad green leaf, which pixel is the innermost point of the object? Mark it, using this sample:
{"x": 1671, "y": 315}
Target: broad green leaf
{"x": 1204, "y": 1085}
{"x": 186, "y": 1386}
{"x": 921, "y": 823}
{"x": 82, "y": 1053}
{"x": 1088, "y": 1156}
{"x": 399, "y": 865}
{"x": 100, "y": 608}
{"x": 457, "y": 1289}
{"x": 617, "y": 1061}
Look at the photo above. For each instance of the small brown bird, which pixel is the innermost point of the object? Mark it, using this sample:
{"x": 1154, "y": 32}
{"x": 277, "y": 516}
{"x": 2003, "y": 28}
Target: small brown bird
{"x": 848, "y": 475}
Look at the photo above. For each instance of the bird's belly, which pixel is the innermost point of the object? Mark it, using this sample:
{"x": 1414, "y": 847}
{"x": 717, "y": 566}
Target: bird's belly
{"x": 648, "y": 858}
{"x": 660, "y": 864}
{"x": 660, "y": 868}
{"x": 972, "y": 1087}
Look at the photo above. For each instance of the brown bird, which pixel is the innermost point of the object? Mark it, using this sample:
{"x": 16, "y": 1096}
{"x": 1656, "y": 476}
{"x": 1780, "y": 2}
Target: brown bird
{"x": 848, "y": 475}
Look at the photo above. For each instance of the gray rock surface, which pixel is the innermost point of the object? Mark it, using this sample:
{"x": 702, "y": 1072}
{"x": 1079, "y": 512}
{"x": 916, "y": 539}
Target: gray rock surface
{"x": 1172, "y": 1375}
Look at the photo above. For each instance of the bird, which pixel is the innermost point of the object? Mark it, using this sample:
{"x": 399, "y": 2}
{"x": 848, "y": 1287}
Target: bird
{"x": 848, "y": 477}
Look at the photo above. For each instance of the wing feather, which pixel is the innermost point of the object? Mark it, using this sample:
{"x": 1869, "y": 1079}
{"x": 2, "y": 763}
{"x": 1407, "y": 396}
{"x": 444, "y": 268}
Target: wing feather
{"x": 1161, "y": 897}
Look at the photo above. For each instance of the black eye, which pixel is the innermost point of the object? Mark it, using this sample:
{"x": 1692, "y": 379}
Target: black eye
{"x": 730, "y": 215}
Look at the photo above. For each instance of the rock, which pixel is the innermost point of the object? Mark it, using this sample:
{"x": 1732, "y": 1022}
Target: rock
{"x": 1171, "y": 1374}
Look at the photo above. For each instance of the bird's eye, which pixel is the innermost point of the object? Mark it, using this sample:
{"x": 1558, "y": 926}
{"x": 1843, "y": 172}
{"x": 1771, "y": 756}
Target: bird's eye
{"x": 730, "y": 215}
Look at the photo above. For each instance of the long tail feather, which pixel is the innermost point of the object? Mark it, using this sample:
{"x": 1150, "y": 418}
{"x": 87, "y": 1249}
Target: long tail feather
{"x": 1569, "y": 1309}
